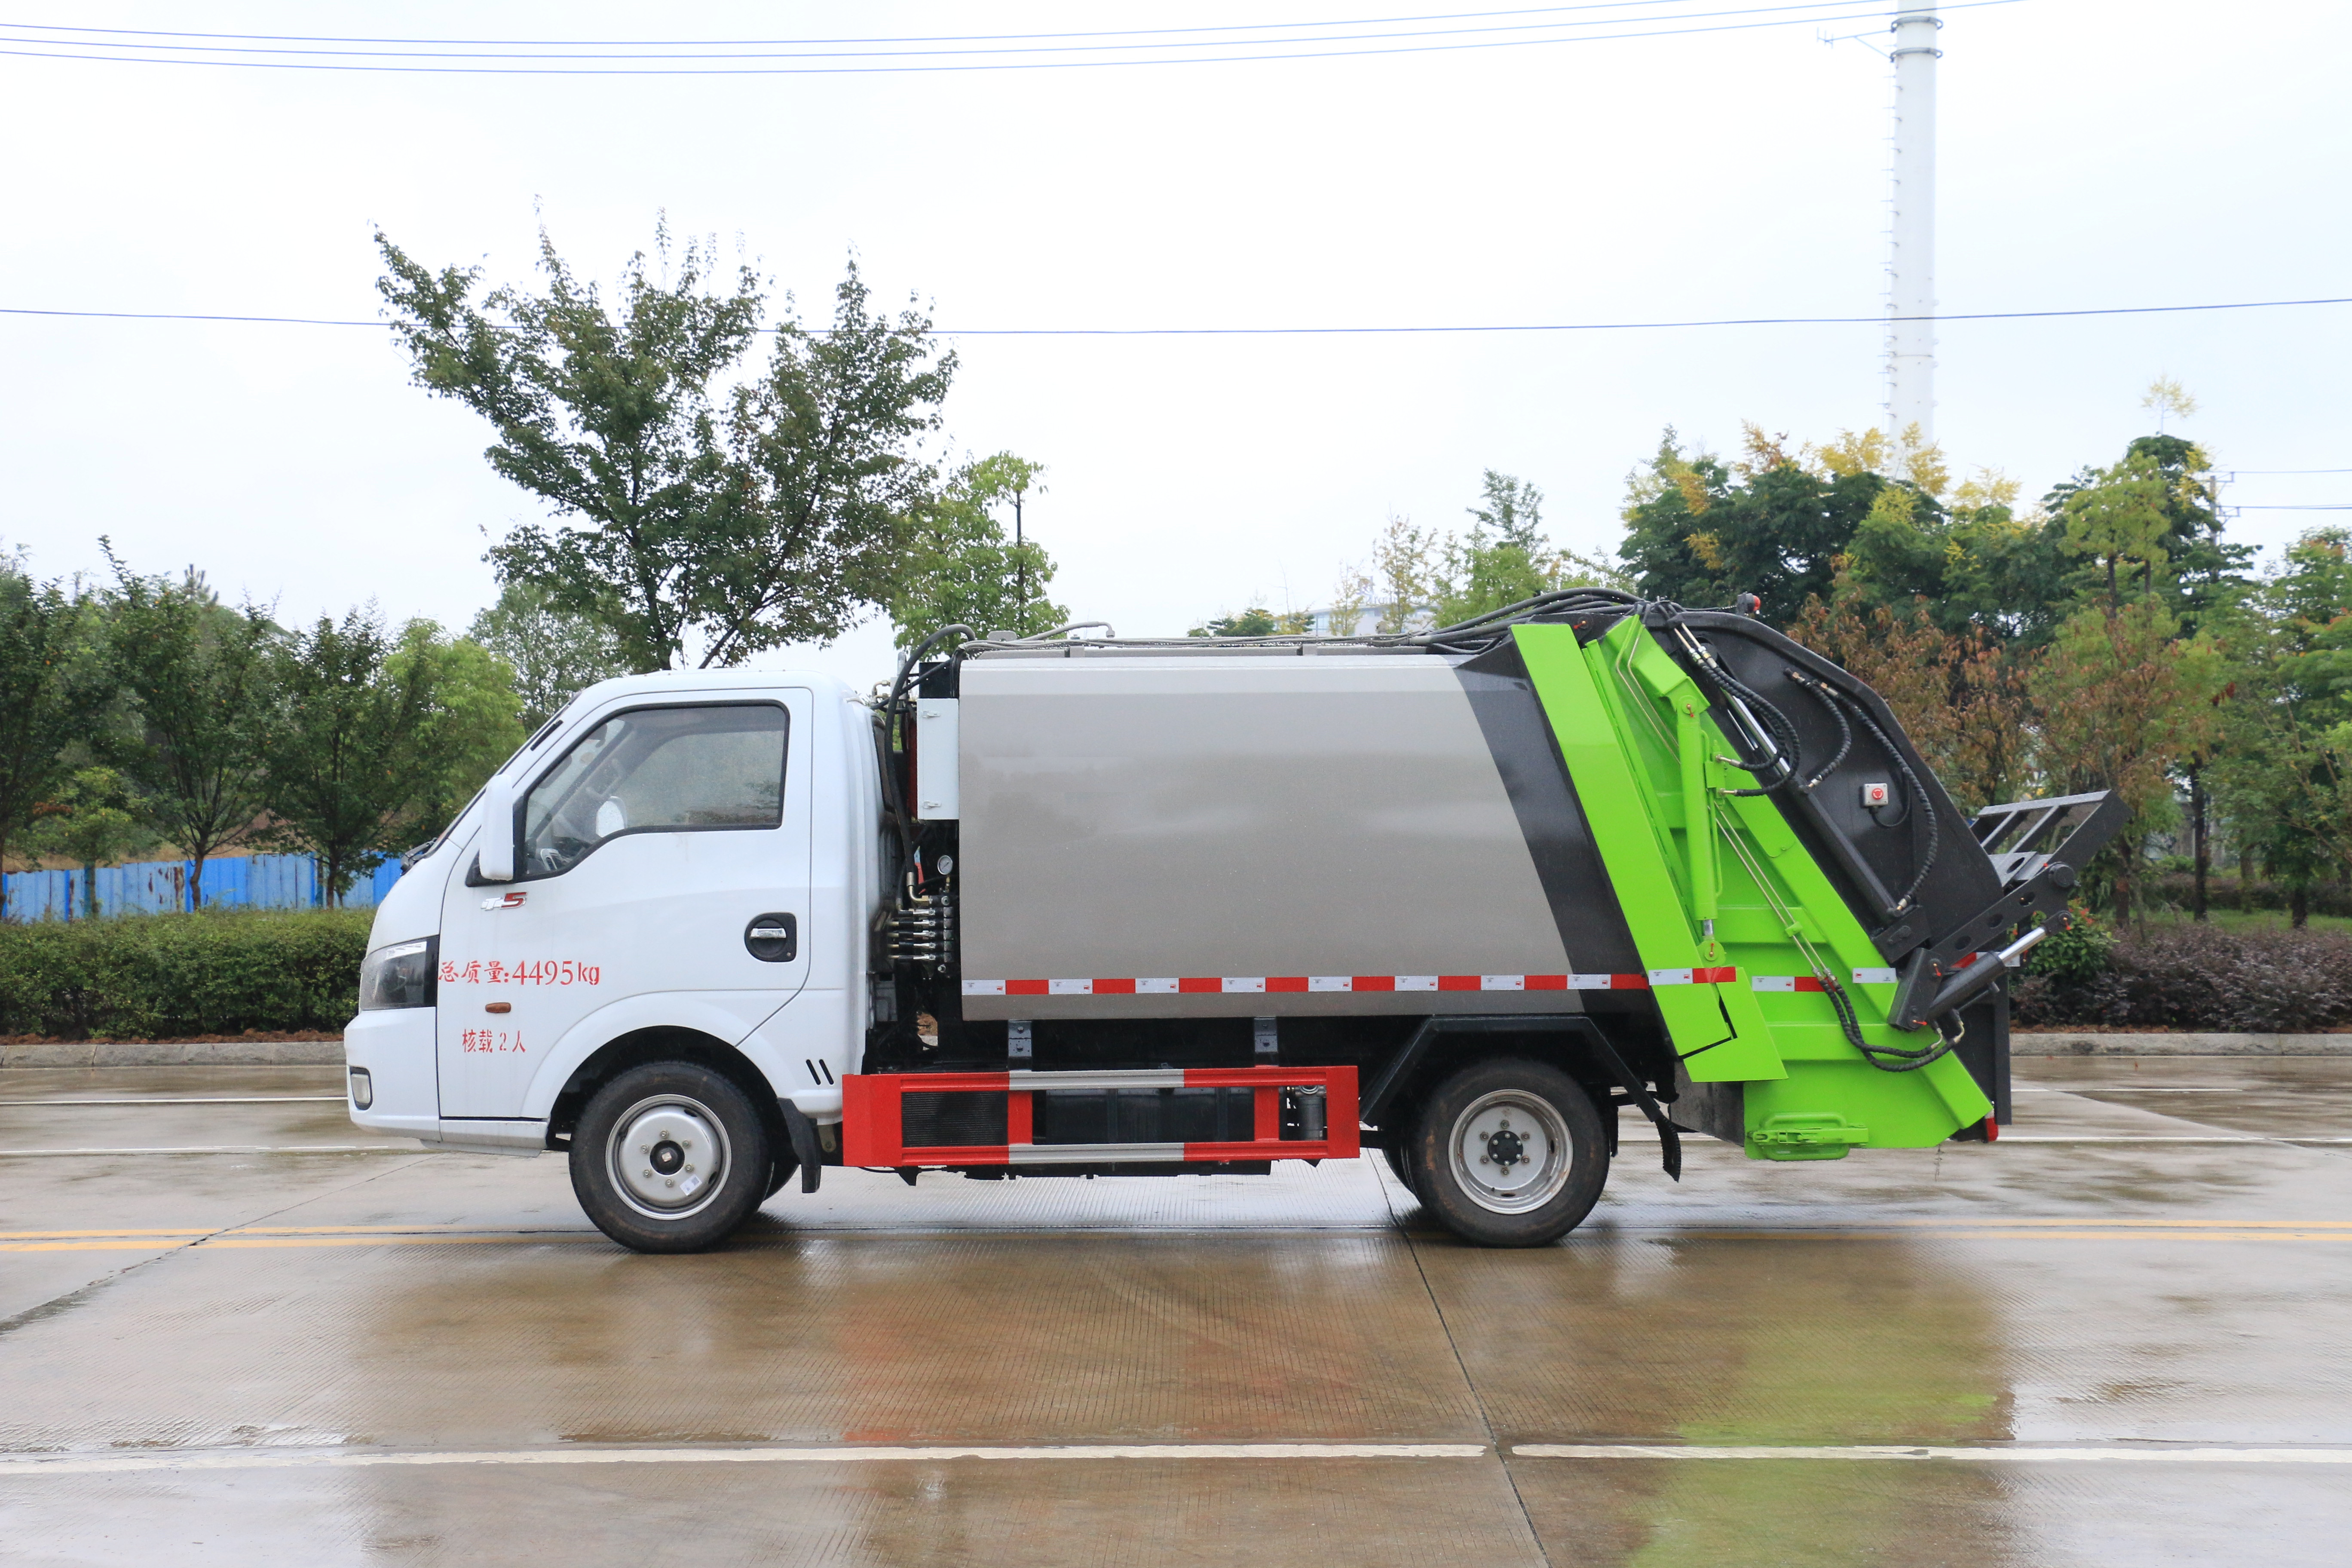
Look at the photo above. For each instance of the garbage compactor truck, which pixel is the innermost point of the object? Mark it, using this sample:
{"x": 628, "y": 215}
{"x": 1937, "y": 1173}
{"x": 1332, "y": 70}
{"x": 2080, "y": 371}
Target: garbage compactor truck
{"x": 1076, "y": 906}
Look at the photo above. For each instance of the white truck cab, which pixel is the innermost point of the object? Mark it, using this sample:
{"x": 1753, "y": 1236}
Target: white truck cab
{"x": 689, "y": 872}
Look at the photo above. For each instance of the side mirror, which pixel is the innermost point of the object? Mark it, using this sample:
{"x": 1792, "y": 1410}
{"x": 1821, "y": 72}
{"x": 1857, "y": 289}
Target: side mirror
{"x": 497, "y": 860}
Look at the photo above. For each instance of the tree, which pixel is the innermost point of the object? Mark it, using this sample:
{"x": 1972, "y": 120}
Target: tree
{"x": 1350, "y": 597}
{"x": 2166, "y": 396}
{"x": 474, "y": 722}
{"x": 1256, "y": 621}
{"x": 1698, "y": 531}
{"x": 826, "y": 453}
{"x": 348, "y": 747}
{"x": 769, "y": 515}
{"x": 92, "y": 820}
{"x": 2154, "y": 512}
{"x": 1972, "y": 563}
{"x": 1401, "y": 561}
{"x": 612, "y": 420}
{"x": 2123, "y": 698}
{"x": 200, "y": 678}
{"x": 1512, "y": 510}
{"x": 53, "y": 691}
{"x": 962, "y": 566}
{"x": 2283, "y": 772}
{"x": 554, "y": 655}
{"x": 1422, "y": 577}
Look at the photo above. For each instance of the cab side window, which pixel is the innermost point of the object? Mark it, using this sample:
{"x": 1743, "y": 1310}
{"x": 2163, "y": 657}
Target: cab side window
{"x": 700, "y": 769}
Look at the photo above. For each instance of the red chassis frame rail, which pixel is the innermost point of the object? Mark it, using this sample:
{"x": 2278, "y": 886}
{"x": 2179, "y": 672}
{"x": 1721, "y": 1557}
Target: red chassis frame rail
{"x": 872, "y": 1116}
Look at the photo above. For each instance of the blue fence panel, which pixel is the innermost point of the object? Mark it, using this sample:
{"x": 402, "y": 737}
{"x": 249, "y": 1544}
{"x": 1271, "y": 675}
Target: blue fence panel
{"x": 40, "y": 895}
{"x": 161, "y": 887}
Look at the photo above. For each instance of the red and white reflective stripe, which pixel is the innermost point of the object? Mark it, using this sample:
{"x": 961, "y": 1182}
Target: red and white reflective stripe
{"x": 1807, "y": 982}
{"x": 1693, "y": 976}
{"x": 1261, "y": 984}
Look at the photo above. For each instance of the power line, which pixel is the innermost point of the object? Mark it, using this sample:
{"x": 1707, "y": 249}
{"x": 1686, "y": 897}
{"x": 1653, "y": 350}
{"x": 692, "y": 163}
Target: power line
{"x": 1839, "y": 11}
{"x": 1336, "y": 332}
{"x": 2235, "y": 473}
{"x": 768, "y": 43}
{"x": 2325, "y": 506}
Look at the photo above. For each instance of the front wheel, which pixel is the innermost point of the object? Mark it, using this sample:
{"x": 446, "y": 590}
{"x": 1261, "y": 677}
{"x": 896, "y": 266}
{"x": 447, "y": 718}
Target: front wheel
{"x": 670, "y": 1157}
{"x": 1509, "y": 1154}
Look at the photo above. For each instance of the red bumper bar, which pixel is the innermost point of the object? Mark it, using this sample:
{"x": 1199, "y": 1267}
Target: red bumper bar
{"x": 873, "y": 1125}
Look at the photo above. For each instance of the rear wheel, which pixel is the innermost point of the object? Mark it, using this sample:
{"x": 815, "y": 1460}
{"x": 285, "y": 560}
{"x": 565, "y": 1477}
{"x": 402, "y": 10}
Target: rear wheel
{"x": 670, "y": 1157}
{"x": 1509, "y": 1154}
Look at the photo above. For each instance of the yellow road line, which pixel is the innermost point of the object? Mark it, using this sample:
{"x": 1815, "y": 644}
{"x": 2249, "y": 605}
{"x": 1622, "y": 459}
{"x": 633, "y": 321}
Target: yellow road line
{"x": 515, "y": 1239}
{"x": 64, "y": 1235}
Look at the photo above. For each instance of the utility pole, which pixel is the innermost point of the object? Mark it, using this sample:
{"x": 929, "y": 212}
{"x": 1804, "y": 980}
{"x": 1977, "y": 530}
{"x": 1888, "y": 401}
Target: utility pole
{"x": 1911, "y": 269}
{"x": 1020, "y": 568}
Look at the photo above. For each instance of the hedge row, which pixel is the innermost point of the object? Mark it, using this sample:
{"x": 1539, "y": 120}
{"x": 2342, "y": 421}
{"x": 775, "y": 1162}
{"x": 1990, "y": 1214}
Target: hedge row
{"x": 171, "y": 977}
{"x": 2193, "y": 976}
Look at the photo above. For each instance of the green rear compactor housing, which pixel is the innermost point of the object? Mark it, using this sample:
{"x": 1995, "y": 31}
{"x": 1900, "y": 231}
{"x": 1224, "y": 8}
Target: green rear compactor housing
{"x": 1726, "y": 884}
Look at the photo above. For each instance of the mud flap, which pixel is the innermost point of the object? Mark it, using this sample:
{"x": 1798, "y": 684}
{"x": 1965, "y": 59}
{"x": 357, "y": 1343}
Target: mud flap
{"x": 1670, "y": 1142}
{"x": 800, "y": 1132}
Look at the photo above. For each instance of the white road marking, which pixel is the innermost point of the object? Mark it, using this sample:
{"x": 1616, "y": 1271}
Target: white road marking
{"x": 14, "y": 1464}
{"x": 193, "y": 1099}
{"x": 2161, "y": 1138}
{"x": 2202, "y": 1456}
{"x": 404, "y": 1147}
{"x": 2095, "y": 1089}
{"x": 18, "y": 1465}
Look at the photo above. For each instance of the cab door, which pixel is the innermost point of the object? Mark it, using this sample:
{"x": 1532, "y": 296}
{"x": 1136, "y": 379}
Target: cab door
{"x": 663, "y": 853}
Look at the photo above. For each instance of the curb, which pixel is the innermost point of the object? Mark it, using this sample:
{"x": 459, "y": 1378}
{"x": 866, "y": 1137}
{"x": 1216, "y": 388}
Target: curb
{"x": 176, "y": 1054}
{"x": 2091, "y": 1043}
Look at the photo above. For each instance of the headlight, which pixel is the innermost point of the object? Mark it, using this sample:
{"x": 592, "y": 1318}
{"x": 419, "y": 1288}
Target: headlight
{"x": 401, "y": 976}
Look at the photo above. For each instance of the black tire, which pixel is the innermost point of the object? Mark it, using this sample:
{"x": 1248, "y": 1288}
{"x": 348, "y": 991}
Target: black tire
{"x": 1497, "y": 1121}
{"x": 667, "y": 1198}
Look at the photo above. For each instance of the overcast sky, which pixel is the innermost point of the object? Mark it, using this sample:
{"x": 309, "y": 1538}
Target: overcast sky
{"x": 2091, "y": 154}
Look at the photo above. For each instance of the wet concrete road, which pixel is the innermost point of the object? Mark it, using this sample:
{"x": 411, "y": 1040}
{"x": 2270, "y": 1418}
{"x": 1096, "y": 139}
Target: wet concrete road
{"x": 2121, "y": 1335}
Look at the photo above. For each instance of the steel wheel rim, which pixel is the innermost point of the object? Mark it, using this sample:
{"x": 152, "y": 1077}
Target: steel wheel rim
{"x": 1510, "y": 1150}
{"x": 671, "y": 1183}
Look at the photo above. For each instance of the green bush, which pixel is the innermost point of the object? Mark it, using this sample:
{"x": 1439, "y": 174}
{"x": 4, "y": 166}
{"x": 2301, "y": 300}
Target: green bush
{"x": 165, "y": 976}
{"x": 2081, "y": 953}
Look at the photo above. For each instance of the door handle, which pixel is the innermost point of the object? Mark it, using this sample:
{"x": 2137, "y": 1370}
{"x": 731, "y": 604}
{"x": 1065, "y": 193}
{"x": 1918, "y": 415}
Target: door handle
{"x": 773, "y": 939}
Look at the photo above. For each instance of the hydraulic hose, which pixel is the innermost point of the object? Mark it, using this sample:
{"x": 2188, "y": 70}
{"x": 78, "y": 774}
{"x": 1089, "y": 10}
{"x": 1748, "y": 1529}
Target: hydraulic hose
{"x": 1845, "y": 731}
{"x": 1784, "y": 733}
